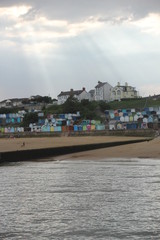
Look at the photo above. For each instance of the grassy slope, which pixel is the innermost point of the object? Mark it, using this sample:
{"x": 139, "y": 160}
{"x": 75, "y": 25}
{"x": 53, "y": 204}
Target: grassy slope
{"x": 134, "y": 103}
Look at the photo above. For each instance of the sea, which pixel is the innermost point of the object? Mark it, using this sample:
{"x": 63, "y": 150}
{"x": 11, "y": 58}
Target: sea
{"x": 80, "y": 199}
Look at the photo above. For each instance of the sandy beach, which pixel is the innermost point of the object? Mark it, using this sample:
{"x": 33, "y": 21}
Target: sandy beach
{"x": 17, "y": 144}
{"x": 147, "y": 149}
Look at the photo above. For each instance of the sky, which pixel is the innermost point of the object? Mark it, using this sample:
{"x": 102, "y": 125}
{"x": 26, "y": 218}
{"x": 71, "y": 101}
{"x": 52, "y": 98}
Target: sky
{"x": 54, "y": 45}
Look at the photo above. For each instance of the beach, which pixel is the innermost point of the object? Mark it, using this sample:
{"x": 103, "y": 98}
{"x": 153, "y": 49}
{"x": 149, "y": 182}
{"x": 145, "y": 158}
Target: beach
{"x": 18, "y": 144}
{"x": 147, "y": 149}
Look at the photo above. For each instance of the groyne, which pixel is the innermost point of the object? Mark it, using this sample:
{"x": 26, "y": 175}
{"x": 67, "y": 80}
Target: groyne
{"x": 35, "y": 154}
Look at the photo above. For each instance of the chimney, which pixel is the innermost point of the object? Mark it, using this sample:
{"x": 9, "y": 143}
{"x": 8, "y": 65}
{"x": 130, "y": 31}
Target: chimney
{"x": 71, "y": 90}
{"x": 83, "y": 89}
{"x": 118, "y": 84}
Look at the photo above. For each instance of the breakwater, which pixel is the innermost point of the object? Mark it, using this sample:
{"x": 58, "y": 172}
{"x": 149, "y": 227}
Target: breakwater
{"x": 33, "y": 154}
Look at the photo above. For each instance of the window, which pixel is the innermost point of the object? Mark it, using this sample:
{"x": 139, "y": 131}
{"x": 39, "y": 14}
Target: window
{"x": 118, "y": 92}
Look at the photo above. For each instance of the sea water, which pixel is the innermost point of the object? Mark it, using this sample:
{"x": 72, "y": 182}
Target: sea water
{"x": 105, "y": 199}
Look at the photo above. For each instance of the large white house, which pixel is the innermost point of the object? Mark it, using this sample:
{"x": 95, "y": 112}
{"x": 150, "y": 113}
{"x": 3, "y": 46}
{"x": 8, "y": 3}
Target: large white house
{"x": 123, "y": 91}
{"x": 79, "y": 94}
{"x": 103, "y": 91}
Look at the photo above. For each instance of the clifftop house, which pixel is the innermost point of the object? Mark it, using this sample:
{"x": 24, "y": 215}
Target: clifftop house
{"x": 123, "y": 91}
{"x": 103, "y": 91}
{"x": 79, "y": 94}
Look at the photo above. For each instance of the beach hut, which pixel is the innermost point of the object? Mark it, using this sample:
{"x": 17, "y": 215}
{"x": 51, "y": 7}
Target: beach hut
{"x": 80, "y": 128}
{"x": 131, "y": 118}
{"x": 116, "y": 115}
{"x": 8, "y": 120}
{"x": 111, "y": 115}
{"x": 84, "y": 127}
{"x": 119, "y": 126}
{"x": 88, "y": 127}
{"x": 121, "y": 114}
{"x": 145, "y": 120}
{"x": 126, "y": 119}
{"x": 117, "y": 118}
{"x": 6, "y": 130}
{"x": 75, "y": 128}
{"x": 122, "y": 119}
{"x": 150, "y": 119}
{"x": 19, "y": 120}
{"x": 93, "y": 127}
{"x": 112, "y": 125}
{"x": 52, "y": 129}
{"x": 135, "y": 118}
{"x": 2, "y": 130}
{"x": 12, "y": 130}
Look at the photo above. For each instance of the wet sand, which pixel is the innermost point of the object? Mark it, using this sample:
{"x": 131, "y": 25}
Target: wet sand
{"x": 147, "y": 149}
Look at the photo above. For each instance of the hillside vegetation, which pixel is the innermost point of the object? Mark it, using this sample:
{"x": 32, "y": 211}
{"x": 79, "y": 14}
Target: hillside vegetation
{"x": 139, "y": 103}
{"x": 88, "y": 110}
{"x": 95, "y": 110}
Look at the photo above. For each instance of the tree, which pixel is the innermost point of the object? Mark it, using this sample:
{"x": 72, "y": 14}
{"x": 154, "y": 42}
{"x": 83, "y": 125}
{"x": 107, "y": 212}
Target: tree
{"x": 30, "y": 118}
{"x": 103, "y": 106}
{"x": 71, "y": 105}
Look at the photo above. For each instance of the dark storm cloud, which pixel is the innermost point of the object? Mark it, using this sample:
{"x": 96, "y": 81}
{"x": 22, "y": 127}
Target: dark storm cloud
{"x": 75, "y": 10}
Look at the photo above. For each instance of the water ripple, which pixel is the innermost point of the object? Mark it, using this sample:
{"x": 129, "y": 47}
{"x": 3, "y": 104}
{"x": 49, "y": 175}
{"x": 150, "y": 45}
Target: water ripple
{"x": 80, "y": 200}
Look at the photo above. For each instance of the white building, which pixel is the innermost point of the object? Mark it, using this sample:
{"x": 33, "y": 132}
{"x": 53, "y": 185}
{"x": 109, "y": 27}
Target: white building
{"x": 9, "y": 103}
{"x": 123, "y": 91}
{"x": 79, "y": 94}
{"x": 103, "y": 91}
{"x": 91, "y": 95}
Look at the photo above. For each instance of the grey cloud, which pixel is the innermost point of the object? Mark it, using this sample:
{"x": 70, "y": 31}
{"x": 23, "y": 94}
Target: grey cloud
{"x": 75, "y": 10}
{"x": 31, "y": 14}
